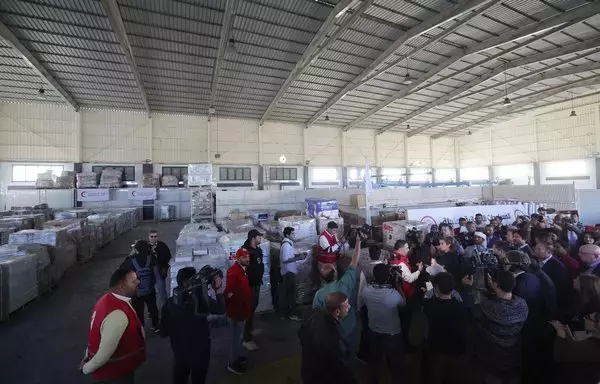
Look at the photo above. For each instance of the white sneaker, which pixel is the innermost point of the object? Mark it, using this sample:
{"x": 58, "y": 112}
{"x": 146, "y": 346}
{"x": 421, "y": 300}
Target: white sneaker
{"x": 256, "y": 332}
{"x": 251, "y": 346}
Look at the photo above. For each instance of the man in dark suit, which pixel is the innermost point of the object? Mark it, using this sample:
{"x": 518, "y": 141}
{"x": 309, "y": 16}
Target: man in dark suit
{"x": 560, "y": 277}
{"x": 520, "y": 238}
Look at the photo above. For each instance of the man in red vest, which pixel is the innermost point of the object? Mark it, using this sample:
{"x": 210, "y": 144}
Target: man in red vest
{"x": 328, "y": 249}
{"x": 116, "y": 340}
{"x": 239, "y": 307}
{"x": 399, "y": 258}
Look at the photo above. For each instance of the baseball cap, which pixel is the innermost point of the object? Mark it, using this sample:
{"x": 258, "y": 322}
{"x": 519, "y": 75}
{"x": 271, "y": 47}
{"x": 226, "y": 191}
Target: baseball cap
{"x": 242, "y": 252}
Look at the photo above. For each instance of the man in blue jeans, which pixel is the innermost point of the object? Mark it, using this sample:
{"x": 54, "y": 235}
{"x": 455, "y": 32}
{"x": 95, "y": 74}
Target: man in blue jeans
{"x": 383, "y": 303}
{"x": 346, "y": 285}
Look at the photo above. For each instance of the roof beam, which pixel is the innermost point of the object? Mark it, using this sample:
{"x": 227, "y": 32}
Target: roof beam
{"x": 318, "y": 45}
{"x": 465, "y": 87}
{"x": 426, "y": 26}
{"x": 515, "y": 107}
{"x": 579, "y": 13}
{"x": 515, "y": 88}
{"x": 116, "y": 21}
{"x": 12, "y": 39}
{"x": 226, "y": 26}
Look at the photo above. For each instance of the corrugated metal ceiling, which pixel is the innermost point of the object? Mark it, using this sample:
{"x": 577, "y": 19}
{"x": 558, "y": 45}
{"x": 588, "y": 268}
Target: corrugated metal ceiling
{"x": 175, "y": 47}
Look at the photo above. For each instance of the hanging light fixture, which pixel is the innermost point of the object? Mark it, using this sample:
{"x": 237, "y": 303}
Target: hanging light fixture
{"x": 573, "y": 113}
{"x": 231, "y": 48}
{"x": 506, "y": 99}
{"x": 407, "y": 79}
{"x": 326, "y": 117}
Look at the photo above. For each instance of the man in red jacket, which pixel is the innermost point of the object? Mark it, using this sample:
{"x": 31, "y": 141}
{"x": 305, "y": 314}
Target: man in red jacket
{"x": 116, "y": 341}
{"x": 238, "y": 299}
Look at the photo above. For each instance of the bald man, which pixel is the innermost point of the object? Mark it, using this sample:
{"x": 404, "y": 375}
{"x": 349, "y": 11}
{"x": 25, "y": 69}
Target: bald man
{"x": 590, "y": 256}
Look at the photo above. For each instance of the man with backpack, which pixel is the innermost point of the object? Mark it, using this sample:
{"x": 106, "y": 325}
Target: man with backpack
{"x": 143, "y": 262}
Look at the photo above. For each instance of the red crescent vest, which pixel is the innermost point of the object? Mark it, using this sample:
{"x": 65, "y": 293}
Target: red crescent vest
{"x": 407, "y": 288}
{"x": 326, "y": 255}
{"x": 131, "y": 351}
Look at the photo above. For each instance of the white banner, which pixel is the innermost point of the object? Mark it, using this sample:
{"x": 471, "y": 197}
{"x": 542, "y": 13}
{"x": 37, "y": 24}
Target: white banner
{"x": 141, "y": 193}
{"x": 93, "y": 194}
{"x": 452, "y": 214}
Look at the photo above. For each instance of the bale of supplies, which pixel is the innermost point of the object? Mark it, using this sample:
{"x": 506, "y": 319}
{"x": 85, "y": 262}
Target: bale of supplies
{"x": 87, "y": 180}
{"x": 304, "y": 227}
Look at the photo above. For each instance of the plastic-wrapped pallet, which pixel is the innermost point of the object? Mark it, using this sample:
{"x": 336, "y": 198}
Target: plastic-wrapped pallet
{"x": 19, "y": 282}
{"x": 45, "y": 180}
{"x": 327, "y": 208}
{"x": 87, "y": 180}
{"x": 40, "y": 252}
{"x": 322, "y": 223}
{"x": 206, "y": 237}
{"x": 71, "y": 214}
{"x": 271, "y": 227}
{"x": 37, "y": 219}
{"x": 237, "y": 225}
{"x": 62, "y": 258}
{"x": 199, "y": 175}
{"x": 396, "y": 230}
{"x": 170, "y": 181}
{"x": 111, "y": 178}
{"x": 202, "y": 206}
{"x": 51, "y": 237}
{"x": 20, "y": 222}
{"x": 66, "y": 180}
{"x": 151, "y": 180}
{"x": 5, "y": 232}
{"x": 304, "y": 227}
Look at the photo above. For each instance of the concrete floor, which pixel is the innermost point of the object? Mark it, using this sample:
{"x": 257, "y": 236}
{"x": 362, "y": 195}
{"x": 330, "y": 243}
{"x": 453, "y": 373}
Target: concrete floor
{"x": 44, "y": 342}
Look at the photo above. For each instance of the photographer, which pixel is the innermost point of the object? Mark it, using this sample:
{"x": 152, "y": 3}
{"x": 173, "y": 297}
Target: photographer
{"x": 383, "y": 303}
{"x": 184, "y": 321}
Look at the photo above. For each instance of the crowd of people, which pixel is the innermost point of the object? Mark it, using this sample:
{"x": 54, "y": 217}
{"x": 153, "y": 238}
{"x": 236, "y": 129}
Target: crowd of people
{"x": 485, "y": 302}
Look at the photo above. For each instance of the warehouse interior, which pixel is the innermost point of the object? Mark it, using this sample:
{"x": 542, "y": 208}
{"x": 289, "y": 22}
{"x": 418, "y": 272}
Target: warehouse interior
{"x": 139, "y": 114}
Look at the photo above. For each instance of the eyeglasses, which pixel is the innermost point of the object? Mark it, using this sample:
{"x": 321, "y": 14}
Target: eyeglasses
{"x": 154, "y": 237}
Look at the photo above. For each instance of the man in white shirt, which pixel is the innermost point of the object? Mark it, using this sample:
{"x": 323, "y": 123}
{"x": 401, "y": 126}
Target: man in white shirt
{"x": 289, "y": 270}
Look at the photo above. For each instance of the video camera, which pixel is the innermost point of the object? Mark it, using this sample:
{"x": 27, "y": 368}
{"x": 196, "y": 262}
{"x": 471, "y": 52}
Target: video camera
{"x": 363, "y": 232}
{"x": 413, "y": 236}
{"x": 196, "y": 289}
{"x": 480, "y": 266}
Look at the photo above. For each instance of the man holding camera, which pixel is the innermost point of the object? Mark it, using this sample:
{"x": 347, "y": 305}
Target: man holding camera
{"x": 184, "y": 321}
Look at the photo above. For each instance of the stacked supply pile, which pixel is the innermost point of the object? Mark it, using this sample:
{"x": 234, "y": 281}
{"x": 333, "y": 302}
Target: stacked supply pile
{"x": 37, "y": 219}
{"x": 65, "y": 181}
{"x": 170, "y": 181}
{"x": 20, "y": 222}
{"x": 151, "y": 180}
{"x": 18, "y": 282}
{"x": 262, "y": 216}
{"x": 304, "y": 227}
{"x": 197, "y": 247}
{"x": 199, "y": 175}
{"x": 44, "y": 180}
{"x": 396, "y": 230}
{"x": 43, "y": 263}
{"x": 273, "y": 229}
{"x": 72, "y": 214}
{"x": 202, "y": 204}
{"x": 236, "y": 225}
{"x": 5, "y": 231}
{"x": 324, "y": 211}
{"x": 102, "y": 229}
{"x": 78, "y": 233}
{"x": 111, "y": 178}
{"x": 87, "y": 180}
{"x": 63, "y": 253}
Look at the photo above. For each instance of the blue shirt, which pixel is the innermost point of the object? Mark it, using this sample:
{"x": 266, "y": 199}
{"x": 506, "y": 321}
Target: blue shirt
{"x": 382, "y": 305}
{"x": 345, "y": 285}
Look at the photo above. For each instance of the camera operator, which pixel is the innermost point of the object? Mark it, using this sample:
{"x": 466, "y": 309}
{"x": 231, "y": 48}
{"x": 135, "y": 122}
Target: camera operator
{"x": 499, "y": 322}
{"x": 383, "y": 303}
{"x": 184, "y": 320}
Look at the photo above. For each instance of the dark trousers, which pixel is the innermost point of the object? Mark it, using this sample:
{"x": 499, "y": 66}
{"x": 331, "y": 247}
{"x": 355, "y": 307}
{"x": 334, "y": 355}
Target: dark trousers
{"x": 196, "y": 366}
{"x": 390, "y": 346}
{"x": 275, "y": 280}
{"x": 129, "y": 379}
{"x": 249, "y": 325}
{"x": 287, "y": 294}
{"x": 140, "y": 302}
{"x": 445, "y": 369}
{"x": 363, "y": 347}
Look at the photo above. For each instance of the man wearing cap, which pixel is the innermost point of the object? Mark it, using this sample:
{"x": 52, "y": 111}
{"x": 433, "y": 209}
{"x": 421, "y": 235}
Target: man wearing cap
{"x": 254, "y": 271}
{"x": 329, "y": 247}
{"x": 238, "y": 302}
{"x": 590, "y": 256}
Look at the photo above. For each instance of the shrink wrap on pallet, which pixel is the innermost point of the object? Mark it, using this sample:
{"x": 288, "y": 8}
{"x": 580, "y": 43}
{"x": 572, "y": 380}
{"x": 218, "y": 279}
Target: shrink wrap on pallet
{"x": 151, "y": 180}
{"x": 18, "y": 282}
{"x": 304, "y": 227}
{"x": 170, "y": 181}
{"x": 111, "y": 178}
{"x": 87, "y": 180}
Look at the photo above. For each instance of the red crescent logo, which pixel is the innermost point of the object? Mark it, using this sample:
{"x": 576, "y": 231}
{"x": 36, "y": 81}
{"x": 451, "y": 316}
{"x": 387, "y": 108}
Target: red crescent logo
{"x": 428, "y": 219}
{"x": 133, "y": 193}
{"x": 83, "y": 193}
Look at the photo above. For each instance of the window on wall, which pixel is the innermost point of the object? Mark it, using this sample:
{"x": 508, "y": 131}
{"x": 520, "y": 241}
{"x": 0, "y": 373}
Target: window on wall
{"x": 474, "y": 173}
{"x": 445, "y": 175}
{"x": 235, "y": 174}
{"x": 29, "y": 172}
{"x": 283, "y": 174}
{"x": 178, "y": 172}
{"x": 520, "y": 174}
{"x": 128, "y": 171}
{"x": 420, "y": 175}
{"x": 324, "y": 175}
{"x": 393, "y": 175}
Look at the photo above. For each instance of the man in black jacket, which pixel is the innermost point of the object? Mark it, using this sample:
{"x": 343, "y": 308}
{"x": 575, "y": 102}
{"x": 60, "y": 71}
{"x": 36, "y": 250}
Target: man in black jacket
{"x": 560, "y": 276}
{"x": 184, "y": 321}
{"x": 162, "y": 253}
{"x": 326, "y": 355}
{"x": 254, "y": 271}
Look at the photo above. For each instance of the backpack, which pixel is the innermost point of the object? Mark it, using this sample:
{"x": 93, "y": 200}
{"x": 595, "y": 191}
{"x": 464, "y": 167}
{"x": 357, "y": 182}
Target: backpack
{"x": 145, "y": 276}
